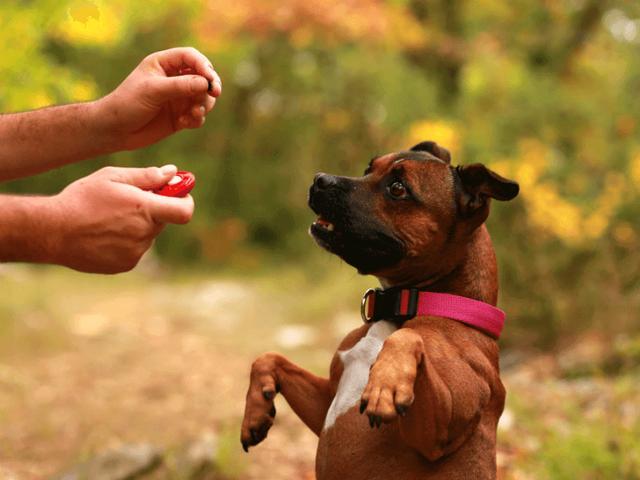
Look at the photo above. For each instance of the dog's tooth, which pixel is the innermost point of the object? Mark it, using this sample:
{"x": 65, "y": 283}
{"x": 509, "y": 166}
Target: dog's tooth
{"x": 330, "y": 227}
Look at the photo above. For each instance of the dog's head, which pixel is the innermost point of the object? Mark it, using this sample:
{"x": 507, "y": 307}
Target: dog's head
{"x": 410, "y": 210}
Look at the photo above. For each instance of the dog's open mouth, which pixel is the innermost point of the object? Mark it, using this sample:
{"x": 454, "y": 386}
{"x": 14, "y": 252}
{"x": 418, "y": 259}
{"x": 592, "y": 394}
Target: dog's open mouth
{"x": 324, "y": 224}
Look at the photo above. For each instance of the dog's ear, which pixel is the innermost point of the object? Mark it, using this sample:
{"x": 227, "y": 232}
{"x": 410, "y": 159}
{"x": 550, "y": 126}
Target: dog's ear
{"x": 478, "y": 184}
{"x": 434, "y": 149}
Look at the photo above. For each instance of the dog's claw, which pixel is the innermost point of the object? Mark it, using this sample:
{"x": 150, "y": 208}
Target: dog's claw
{"x": 272, "y": 412}
{"x": 402, "y": 410}
{"x": 245, "y": 446}
{"x": 363, "y": 406}
{"x": 254, "y": 435}
{"x": 371, "y": 421}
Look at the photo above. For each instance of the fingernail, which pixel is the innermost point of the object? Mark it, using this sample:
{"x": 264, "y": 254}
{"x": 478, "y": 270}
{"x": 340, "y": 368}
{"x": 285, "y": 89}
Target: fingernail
{"x": 202, "y": 109}
{"x": 168, "y": 169}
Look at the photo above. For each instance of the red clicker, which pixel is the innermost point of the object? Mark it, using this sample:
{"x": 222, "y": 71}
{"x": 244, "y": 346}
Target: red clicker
{"x": 179, "y": 186}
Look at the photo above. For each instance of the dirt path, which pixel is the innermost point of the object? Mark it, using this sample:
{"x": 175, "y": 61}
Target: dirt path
{"x": 90, "y": 363}
{"x": 158, "y": 364}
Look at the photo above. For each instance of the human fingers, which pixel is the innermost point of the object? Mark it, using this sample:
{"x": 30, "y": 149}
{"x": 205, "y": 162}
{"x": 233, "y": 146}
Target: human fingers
{"x": 175, "y": 60}
{"x": 145, "y": 178}
{"x": 189, "y": 121}
{"x": 162, "y": 89}
{"x": 170, "y": 209}
{"x": 201, "y": 106}
{"x": 209, "y": 103}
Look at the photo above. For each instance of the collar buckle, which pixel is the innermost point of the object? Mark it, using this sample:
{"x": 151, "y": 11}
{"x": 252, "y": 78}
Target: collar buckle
{"x": 395, "y": 304}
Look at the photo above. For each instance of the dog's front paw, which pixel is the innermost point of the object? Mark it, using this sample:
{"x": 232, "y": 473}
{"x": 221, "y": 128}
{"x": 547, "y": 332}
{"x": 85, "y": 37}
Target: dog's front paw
{"x": 260, "y": 411}
{"x": 390, "y": 390}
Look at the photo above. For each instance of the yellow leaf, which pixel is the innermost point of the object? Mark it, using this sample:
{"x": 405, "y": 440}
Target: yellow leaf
{"x": 442, "y": 132}
{"x": 625, "y": 235}
{"x": 634, "y": 169}
{"x": 89, "y": 22}
{"x": 83, "y": 91}
{"x": 83, "y": 11}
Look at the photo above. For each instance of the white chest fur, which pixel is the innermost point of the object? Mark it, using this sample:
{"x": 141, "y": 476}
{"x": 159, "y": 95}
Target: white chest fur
{"x": 357, "y": 361}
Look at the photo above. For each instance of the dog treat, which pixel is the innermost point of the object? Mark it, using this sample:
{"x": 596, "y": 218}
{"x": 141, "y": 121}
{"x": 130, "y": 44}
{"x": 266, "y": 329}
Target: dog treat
{"x": 179, "y": 186}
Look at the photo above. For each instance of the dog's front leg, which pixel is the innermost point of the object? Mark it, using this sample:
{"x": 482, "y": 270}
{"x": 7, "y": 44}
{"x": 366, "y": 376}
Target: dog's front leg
{"x": 390, "y": 389}
{"x": 432, "y": 389}
{"x": 308, "y": 395}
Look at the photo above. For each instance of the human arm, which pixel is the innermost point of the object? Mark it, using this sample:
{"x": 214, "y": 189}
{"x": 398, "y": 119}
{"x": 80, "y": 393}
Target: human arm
{"x": 102, "y": 223}
{"x": 167, "y": 92}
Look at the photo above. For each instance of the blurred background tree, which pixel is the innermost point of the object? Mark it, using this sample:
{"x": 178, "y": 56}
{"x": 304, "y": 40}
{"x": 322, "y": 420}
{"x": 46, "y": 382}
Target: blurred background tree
{"x": 546, "y": 93}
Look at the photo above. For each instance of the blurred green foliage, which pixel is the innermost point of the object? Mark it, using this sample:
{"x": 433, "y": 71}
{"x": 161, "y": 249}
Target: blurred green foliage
{"x": 544, "y": 92}
{"x": 585, "y": 435}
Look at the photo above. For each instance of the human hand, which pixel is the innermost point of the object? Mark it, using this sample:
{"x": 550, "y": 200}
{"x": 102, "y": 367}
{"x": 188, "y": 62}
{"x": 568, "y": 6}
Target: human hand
{"x": 105, "y": 222}
{"x": 167, "y": 92}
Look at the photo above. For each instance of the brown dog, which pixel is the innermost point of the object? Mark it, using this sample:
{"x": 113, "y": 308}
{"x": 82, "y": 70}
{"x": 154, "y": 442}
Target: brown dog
{"x": 431, "y": 384}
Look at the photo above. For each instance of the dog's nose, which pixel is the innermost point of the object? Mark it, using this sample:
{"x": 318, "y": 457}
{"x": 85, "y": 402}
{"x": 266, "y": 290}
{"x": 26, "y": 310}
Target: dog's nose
{"x": 322, "y": 181}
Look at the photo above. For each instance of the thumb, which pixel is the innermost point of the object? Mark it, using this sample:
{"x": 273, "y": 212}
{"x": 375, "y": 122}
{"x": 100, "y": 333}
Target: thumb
{"x": 146, "y": 178}
{"x": 169, "y": 88}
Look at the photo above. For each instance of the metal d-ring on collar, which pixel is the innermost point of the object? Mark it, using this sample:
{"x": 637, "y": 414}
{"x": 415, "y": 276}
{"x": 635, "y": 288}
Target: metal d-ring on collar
{"x": 364, "y": 304}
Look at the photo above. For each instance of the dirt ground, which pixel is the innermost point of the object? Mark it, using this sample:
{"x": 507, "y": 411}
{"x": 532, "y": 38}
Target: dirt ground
{"x": 90, "y": 363}
{"x": 105, "y": 364}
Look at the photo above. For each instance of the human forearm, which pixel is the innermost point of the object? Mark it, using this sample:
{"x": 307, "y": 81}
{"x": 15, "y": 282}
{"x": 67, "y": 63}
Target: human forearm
{"x": 26, "y": 226}
{"x": 40, "y": 140}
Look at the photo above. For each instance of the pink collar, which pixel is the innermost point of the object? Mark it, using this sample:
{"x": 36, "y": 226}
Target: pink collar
{"x": 401, "y": 304}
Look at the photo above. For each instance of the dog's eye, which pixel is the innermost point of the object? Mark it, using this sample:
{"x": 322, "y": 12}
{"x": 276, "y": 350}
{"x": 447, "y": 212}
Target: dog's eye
{"x": 397, "y": 190}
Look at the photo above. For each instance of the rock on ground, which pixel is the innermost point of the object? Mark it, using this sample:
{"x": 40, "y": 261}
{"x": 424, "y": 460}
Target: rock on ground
{"x": 127, "y": 462}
